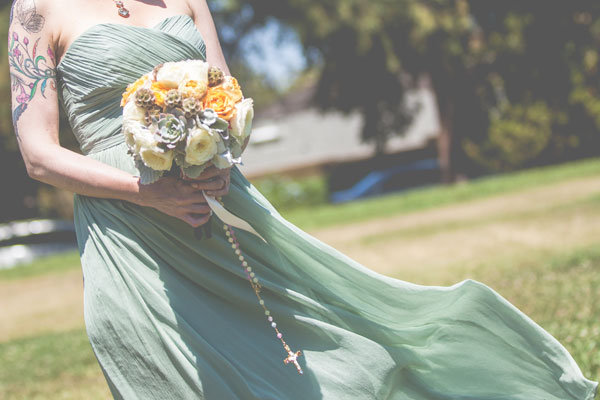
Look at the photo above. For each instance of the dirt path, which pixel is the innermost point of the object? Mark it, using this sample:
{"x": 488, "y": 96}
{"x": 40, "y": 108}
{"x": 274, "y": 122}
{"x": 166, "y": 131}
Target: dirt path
{"x": 410, "y": 246}
{"x": 41, "y": 304}
{"x": 553, "y": 217}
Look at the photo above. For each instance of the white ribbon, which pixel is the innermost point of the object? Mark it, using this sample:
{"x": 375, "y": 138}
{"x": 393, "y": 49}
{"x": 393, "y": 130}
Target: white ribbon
{"x": 228, "y": 217}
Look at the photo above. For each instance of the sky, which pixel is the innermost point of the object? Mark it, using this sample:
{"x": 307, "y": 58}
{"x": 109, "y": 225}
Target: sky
{"x": 280, "y": 60}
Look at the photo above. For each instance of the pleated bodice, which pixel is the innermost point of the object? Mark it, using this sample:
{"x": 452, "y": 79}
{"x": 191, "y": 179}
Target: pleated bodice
{"x": 104, "y": 59}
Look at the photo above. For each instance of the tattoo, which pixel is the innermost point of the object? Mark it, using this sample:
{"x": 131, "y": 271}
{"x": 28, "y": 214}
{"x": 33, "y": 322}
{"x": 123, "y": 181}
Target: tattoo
{"x": 30, "y": 73}
{"x": 27, "y": 15}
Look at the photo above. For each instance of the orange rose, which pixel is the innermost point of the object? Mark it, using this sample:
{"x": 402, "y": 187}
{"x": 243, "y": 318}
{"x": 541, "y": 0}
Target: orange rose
{"x": 160, "y": 92}
{"x": 233, "y": 87}
{"x": 221, "y": 101}
{"x": 131, "y": 89}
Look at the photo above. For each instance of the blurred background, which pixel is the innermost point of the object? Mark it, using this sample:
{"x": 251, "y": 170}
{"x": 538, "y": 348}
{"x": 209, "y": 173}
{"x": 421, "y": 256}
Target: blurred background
{"x": 432, "y": 141}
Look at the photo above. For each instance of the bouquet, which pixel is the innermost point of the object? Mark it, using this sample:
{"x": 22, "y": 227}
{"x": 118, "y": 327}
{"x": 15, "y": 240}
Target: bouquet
{"x": 185, "y": 116}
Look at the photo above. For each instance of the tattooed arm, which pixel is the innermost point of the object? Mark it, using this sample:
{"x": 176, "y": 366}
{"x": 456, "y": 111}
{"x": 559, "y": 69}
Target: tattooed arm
{"x": 35, "y": 117}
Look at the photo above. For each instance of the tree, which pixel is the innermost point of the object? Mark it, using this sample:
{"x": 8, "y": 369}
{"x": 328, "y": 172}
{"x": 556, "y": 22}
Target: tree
{"x": 496, "y": 68}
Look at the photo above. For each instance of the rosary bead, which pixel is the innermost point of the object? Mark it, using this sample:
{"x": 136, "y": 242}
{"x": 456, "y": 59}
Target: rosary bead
{"x": 235, "y": 245}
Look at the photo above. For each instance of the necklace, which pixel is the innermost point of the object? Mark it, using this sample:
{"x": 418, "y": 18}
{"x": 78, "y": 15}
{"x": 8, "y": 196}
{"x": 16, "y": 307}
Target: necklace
{"x": 123, "y": 12}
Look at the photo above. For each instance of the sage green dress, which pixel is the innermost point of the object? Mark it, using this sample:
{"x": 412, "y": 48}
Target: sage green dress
{"x": 173, "y": 317}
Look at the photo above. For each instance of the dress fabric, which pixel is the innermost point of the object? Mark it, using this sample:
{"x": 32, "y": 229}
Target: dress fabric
{"x": 173, "y": 317}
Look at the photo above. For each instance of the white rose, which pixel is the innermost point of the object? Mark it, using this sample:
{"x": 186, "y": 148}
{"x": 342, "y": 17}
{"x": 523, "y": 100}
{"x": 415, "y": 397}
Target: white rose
{"x": 131, "y": 112}
{"x": 127, "y": 129}
{"x": 142, "y": 137}
{"x": 157, "y": 158}
{"x": 137, "y": 135}
{"x": 197, "y": 70}
{"x": 201, "y": 146}
{"x": 241, "y": 122}
{"x": 171, "y": 74}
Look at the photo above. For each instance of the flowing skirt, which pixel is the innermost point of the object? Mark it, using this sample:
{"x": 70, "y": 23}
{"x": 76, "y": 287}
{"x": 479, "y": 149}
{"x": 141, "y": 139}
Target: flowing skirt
{"x": 173, "y": 317}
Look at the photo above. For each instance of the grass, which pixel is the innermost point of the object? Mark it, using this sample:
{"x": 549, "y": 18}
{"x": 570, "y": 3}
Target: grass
{"x": 420, "y": 199}
{"x": 557, "y": 286}
{"x": 56, "y": 263}
{"x": 52, "y": 366}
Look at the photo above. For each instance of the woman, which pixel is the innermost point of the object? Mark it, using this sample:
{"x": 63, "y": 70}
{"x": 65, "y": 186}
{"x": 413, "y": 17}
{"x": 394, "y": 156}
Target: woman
{"x": 172, "y": 317}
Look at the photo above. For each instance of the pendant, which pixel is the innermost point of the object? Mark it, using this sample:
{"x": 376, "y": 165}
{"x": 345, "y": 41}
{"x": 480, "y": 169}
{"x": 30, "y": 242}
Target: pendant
{"x": 123, "y": 12}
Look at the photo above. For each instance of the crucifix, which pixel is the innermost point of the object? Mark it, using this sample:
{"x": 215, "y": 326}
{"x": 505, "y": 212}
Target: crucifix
{"x": 293, "y": 358}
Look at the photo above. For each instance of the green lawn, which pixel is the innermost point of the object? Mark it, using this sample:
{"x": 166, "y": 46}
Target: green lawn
{"x": 436, "y": 196}
{"x": 558, "y": 287}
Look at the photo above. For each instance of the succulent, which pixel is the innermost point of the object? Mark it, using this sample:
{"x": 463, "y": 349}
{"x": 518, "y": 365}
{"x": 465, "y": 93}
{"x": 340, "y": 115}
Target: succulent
{"x": 215, "y": 76}
{"x": 191, "y": 107}
{"x": 173, "y": 98}
{"x": 145, "y": 98}
{"x": 152, "y": 113}
{"x": 170, "y": 130}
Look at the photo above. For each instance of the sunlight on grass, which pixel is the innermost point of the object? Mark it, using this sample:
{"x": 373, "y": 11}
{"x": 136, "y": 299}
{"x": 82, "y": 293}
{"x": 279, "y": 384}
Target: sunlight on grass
{"x": 52, "y": 366}
{"x": 50, "y": 264}
{"x": 435, "y": 196}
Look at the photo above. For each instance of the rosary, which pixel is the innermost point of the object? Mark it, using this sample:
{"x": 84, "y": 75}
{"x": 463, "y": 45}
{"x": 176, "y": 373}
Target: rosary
{"x": 292, "y": 357}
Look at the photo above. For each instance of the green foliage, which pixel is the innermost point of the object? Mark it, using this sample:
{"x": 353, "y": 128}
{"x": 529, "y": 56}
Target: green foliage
{"x": 479, "y": 56}
{"x": 287, "y": 193}
{"x": 516, "y": 135}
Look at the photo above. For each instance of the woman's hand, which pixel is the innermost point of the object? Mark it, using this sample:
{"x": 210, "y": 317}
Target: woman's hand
{"x": 178, "y": 198}
{"x": 213, "y": 180}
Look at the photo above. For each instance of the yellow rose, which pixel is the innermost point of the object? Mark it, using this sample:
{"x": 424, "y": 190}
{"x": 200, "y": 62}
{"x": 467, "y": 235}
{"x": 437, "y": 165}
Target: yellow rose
{"x": 200, "y": 147}
{"x": 193, "y": 88}
{"x": 157, "y": 158}
{"x": 221, "y": 101}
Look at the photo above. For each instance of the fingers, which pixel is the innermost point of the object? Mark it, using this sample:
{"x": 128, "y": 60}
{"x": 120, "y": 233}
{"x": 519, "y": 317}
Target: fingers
{"x": 216, "y": 184}
{"x": 221, "y": 191}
